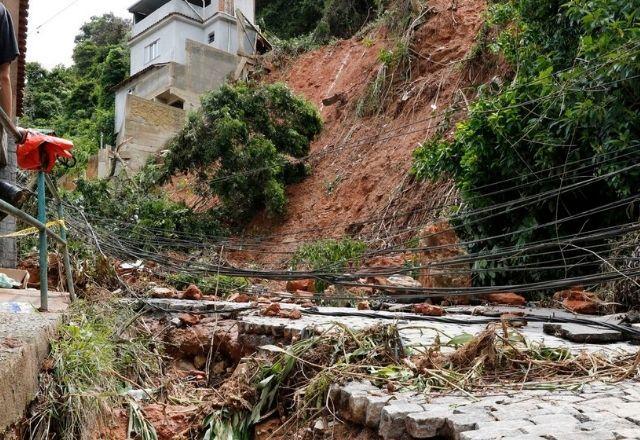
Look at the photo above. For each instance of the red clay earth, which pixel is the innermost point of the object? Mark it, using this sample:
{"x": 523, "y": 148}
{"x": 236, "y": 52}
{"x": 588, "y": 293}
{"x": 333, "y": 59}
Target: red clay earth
{"x": 361, "y": 165}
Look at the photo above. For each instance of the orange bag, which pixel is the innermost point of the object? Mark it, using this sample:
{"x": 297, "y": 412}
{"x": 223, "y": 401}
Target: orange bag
{"x": 39, "y": 152}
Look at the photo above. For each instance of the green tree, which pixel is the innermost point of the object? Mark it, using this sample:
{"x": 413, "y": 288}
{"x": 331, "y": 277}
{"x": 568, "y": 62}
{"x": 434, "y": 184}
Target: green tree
{"x": 569, "y": 115}
{"x": 244, "y": 143}
{"x": 78, "y": 101}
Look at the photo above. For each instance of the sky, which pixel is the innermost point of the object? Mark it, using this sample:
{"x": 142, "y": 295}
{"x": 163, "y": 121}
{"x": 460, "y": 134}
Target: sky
{"x": 51, "y": 37}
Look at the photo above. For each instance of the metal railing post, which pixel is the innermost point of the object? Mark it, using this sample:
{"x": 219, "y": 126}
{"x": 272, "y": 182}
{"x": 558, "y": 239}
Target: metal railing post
{"x": 67, "y": 259}
{"x": 43, "y": 250}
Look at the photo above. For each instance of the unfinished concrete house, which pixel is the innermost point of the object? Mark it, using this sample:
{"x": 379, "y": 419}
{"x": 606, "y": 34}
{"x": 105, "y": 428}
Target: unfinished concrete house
{"x": 180, "y": 49}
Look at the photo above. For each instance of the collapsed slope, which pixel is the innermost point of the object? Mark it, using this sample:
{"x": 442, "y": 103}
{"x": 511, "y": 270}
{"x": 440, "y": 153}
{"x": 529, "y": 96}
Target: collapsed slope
{"x": 360, "y": 182}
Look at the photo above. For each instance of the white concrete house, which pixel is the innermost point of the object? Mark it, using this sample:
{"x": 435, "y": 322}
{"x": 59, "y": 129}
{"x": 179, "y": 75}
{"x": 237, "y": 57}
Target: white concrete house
{"x": 180, "y": 49}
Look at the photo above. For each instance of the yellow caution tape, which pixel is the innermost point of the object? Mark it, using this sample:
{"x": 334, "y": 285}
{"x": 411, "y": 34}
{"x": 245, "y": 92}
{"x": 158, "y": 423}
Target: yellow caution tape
{"x": 33, "y": 230}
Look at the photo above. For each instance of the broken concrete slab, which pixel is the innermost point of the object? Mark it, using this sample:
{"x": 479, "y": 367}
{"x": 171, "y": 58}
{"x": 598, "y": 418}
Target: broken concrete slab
{"x": 583, "y": 334}
{"x": 28, "y": 301}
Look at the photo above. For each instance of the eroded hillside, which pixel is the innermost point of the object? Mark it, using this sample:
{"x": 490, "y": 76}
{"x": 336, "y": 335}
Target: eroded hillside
{"x": 360, "y": 182}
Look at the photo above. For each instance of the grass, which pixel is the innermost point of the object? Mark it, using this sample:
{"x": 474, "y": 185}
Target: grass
{"x": 95, "y": 361}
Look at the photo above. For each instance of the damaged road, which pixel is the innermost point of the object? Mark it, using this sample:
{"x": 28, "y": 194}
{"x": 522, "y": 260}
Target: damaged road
{"x": 322, "y": 372}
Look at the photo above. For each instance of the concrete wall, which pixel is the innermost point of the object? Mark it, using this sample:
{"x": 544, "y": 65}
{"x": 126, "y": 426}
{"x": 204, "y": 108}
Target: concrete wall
{"x": 171, "y": 36}
{"x": 148, "y": 127}
{"x": 207, "y": 68}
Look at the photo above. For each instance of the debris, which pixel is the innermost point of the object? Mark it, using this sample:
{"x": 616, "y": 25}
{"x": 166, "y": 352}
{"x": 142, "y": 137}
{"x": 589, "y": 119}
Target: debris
{"x": 200, "y": 361}
{"x": 336, "y": 98}
{"x": 428, "y": 310}
{"x": 301, "y": 285}
{"x": 192, "y": 293}
{"x": 505, "y": 298}
{"x": 403, "y": 281}
{"x": 364, "y": 305}
{"x": 240, "y": 298}
{"x": 275, "y": 310}
{"x": 580, "y": 301}
{"x": 189, "y": 319}
{"x": 582, "y": 334}
{"x": 163, "y": 292}
{"x": 132, "y": 266}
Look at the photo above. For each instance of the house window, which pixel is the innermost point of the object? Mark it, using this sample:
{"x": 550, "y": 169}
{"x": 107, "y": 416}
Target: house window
{"x": 152, "y": 51}
{"x": 212, "y": 37}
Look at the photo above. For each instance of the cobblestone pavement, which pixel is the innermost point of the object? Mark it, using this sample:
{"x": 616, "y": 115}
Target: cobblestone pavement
{"x": 597, "y": 412}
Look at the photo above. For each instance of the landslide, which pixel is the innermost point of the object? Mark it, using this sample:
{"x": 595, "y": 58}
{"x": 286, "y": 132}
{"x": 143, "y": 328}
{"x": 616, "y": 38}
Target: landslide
{"x": 360, "y": 183}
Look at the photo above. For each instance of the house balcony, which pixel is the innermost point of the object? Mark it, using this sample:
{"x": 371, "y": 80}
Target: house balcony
{"x": 149, "y": 12}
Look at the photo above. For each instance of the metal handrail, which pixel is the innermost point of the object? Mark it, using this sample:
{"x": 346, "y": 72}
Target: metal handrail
{"x": 40, "y": 223}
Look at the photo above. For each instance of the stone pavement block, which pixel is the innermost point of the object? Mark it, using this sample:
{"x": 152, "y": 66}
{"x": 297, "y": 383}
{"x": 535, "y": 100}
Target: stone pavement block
{"x": 627, "y": 433}
{"x": 582, "y": 333}
{"x": 392, "y": 419}
{"x": 458, "y": 423}
{"x": 605, "y": 403}
{"x": 495, "y": 430}
{"x": 587, "y": 435}
{"x": 555, "y": 420}
{"x": 374, "y": 410}
{"x": 610, "y": 423}
{"x": 427, "y": 424}
{"x": 356, "y": 410}
{"x": 629, "y": 411}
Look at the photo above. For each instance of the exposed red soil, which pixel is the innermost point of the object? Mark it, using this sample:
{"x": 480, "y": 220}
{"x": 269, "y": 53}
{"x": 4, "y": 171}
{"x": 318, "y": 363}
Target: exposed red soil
{"x": 361, "y": 165}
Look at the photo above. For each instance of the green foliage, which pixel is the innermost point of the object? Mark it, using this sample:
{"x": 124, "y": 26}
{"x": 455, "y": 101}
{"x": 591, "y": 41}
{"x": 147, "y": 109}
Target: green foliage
{"x": 90, "y": 360}
{"x": 330, "y": 256}
{"x": 77, "y": 102}
{"x": 574, "y": 98}
{"x": 243, "y": 143}
{"x": 138, "y": 209}
{"x": 210, "y": 285}
{"x": 288, "y": 19}
{"x": 322, "y": 19}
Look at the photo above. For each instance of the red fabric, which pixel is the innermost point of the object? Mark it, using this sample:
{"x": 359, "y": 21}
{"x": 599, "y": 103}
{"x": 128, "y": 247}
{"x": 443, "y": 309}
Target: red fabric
{"x": 39, "y": 152}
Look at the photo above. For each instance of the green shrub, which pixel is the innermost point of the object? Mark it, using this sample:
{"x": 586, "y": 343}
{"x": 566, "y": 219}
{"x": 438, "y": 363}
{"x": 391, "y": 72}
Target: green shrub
{"x": 574, "y": 98}
{"x": 140, "y": 212}
{"x": 323, "y": 19}
{"x": 244, "y": 144}
{"x": 329, "y": 257}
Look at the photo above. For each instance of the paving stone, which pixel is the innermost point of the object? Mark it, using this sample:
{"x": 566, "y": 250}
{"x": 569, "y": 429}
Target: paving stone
{"x": 609, "y": 423}
{"x": 555, "y": 420}
{"x": 428, "y": 423}
{"x": 587, "y": 435}
{"x": 356, "y": 410}
{"x": 627, "y": 433}
{"x": 495, "y": 430}
{"x": 392, "y": 419}
{"x": 605, "y": 403}
{"x": 374, "y": 410}
{"x": 629, "y": 411}
{"x": 582, "y": 333}
{"x": 458, "y": 423}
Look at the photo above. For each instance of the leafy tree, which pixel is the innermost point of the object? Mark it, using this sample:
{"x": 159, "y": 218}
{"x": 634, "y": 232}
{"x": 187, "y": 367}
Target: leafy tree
{"x": 569, "y": 114}
{"x": 325, "y": 19}
{"x": 78, "y": 101}
{"x": 243, "y": 143}
{"x": 105, "y": 30}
